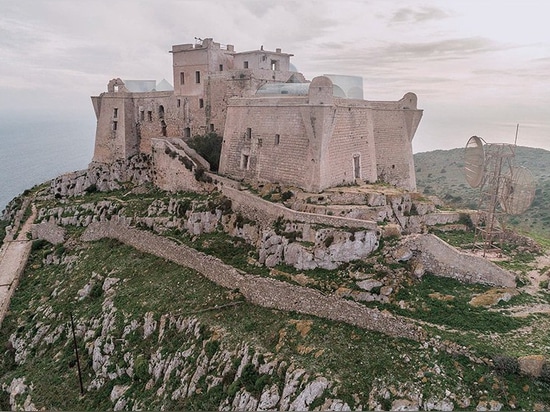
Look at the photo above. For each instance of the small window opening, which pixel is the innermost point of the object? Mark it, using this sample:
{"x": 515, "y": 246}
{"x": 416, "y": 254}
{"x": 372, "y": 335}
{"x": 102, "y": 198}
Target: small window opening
{"x": 246, "y": 65}
{"x": 221, "y": 67}
{"x": 245, "y": 161}
{"x": 141, "y": 115}
{"x": 357, "y": 167}
{"x": 274, "y": 64}
{"x": 277, "y": 139}
{"x": 197, "y": 76}
{"x": 201, "y": 103}
{"x": 115, "y": 89}
{"x": 179, "y": 103}
{"x": 163, "y": 128}
{"x": 150, "y": 115}
{"x": 161, "y": 112}
{"x": 211, "y": 127}
{"x": 115, "y": 112}
{"x": 182, "y": 78}
{"x": 248, "y": 133}
{"x": 264, "y": 58}
{"x": 187, "y": 132}
{"x": 115, "y": 126}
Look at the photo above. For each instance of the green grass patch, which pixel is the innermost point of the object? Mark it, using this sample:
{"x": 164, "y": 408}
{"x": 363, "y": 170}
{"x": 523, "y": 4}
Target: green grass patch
{"x": 456, "y": 312}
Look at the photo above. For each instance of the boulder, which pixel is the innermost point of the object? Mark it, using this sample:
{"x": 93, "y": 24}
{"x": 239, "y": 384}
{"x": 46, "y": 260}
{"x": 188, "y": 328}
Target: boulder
{"x": 531, "y": 365}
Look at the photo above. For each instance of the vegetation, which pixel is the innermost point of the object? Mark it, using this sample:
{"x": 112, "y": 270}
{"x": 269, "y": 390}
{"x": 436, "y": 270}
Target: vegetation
{"x": 361, "y": 365}
{"x": 208, "y": 146}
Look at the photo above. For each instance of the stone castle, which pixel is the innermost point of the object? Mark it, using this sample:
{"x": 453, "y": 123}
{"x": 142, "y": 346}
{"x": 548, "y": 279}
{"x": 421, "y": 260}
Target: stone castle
{"x": 276, "y": 126}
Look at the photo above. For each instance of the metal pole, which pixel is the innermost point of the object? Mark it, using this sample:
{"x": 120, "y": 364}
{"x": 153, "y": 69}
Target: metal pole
{"x": 77, "y": 359}
{"x": 516, "y": 140}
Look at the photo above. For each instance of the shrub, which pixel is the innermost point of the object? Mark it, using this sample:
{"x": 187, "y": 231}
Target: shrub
{"x": 328, "y": 241}
{"x": 286, "y": 195}
{"x": 506, "y": 365}
{"x": 209, "y": 146}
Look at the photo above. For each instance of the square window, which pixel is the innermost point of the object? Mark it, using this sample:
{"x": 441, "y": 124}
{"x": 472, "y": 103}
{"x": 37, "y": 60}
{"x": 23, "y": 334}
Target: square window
{"x": 246, "y": 65}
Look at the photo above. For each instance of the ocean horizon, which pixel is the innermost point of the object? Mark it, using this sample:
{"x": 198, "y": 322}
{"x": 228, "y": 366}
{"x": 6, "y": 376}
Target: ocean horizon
{"x": 35, "y": 150}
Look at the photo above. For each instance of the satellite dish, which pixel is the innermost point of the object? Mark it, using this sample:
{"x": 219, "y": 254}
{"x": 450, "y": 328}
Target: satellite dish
{"x": 490, "y": 166}
{"x": 517, "y": 191}
{"x": 474, "y": 161}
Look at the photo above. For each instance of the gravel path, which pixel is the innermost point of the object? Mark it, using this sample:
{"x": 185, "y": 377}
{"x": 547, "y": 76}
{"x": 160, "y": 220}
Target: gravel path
{"x": 13, "y": 258}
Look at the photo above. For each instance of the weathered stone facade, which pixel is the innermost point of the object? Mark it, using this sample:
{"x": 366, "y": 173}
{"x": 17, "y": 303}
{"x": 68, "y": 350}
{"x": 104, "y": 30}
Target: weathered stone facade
{"x": 277, "y": 127}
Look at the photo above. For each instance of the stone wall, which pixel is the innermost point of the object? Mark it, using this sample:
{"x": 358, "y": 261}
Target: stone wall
{"x": 438, "y": 257}
{"x": 103, "y": 177}
{"x": 266, "y": 212}
{"x": 262, "y": 291}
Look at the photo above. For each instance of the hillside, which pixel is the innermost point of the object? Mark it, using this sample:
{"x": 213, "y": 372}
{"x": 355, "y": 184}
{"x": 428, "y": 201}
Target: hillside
{"x": 157, "y": 330}
{"x": 440, "y": 173}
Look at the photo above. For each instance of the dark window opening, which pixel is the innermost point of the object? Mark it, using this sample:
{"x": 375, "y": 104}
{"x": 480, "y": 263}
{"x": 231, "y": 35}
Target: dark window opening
{"x": 115, "y": 126}
{"x": 248, "y": 133}
{"x": 163, "y": 128}
{"x": 141, "y": 115}
{"x": 246, "y": 65}
{"x": 182, "y": 78}
{"x": 197, "y": 77}
{"x": 211, "y": 127}
{"x": 115, "y": 112}
{"x": 187, "y": 132}
{"x": 245, "y": 161}
{"x": 277, "y": 139}
{"x": 179, "y": 103}
{"x": 201, "y": 103}
{"x": 161, "y": 112}
{"x": 150, "y": 115}
{"x": 221, "y": 67}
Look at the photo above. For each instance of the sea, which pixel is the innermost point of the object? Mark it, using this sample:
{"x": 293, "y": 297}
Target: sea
{"x": 34, "y": 150}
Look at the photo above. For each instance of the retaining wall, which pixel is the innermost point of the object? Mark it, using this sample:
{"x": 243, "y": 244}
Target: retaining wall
{"x": 261, "y": 291}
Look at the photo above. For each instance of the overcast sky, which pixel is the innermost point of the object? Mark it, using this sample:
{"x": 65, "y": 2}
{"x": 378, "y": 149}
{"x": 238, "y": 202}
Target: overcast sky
{"x": 478, "y": 67}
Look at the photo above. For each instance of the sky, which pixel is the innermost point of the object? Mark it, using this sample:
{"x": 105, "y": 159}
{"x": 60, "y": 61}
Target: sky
{"x": 478, "y": 67}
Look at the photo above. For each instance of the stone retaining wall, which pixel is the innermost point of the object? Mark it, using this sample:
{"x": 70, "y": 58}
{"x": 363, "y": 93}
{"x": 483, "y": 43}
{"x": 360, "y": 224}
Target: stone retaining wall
{"x": 442, "y": 259}
{"x": 261, "y": 291}
{"x": 257, "y": 209}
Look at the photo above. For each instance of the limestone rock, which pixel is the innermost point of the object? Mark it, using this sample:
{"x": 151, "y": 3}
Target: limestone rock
{"x": 269, "y": 398}
{"x": 118, "y": 391}
{"x": 369, "y": 284}
{"x": 531, "y": 365}
{"x": 402, "y": 254}
{"x": 312, "y": 391}
{"x": 404, "y": 405}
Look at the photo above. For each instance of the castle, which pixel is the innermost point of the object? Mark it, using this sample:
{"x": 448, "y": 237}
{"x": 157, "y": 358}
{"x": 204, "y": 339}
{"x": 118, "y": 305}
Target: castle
{"x": 276, "y": 126}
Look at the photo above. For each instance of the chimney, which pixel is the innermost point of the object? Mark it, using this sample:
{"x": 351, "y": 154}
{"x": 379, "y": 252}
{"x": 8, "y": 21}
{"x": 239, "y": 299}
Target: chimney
{"x": 277, "y": 50}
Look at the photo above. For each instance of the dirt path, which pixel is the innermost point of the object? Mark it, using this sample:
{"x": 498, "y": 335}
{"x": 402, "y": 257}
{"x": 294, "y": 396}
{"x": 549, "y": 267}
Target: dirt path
{"x": 13, "y": 258}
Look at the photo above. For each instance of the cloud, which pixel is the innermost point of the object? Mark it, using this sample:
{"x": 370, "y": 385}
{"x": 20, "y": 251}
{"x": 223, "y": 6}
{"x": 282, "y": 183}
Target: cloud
{"x": 421, "y": 14}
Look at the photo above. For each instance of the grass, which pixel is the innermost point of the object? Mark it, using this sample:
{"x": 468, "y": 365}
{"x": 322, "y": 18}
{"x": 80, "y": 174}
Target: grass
{"x": 455, "y": 312}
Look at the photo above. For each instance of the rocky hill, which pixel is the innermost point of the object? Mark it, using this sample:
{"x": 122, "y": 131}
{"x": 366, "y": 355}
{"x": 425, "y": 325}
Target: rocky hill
{"x": 190, "y": 300}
